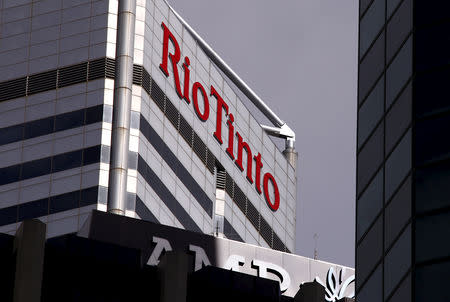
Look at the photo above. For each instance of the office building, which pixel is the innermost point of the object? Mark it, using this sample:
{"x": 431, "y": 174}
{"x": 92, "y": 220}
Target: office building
{"x": 403, "y": 208}
{"x": 197, "y": 158}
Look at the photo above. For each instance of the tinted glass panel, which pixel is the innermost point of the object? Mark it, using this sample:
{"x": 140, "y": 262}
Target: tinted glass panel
{"x": 398, "y": 118}
{"x": 39, "y": 127}
{"x": 363, "y": 5}
{"x": 9, "y": 174}
{"x": 89, "y": 196}
{"x": 432, "y": 141}
{"x": 371, "y": 25}
{"x": 432, "y": 237}
{"x": 33, "y": 209}
{"x": 432, "y": 46}
{"x": 8, "y": 215}
{"x": 370, "y": 68}
{"x": 36, "y": 168}
{"x": 391, "y": 6}
{"x": 370, "y": 158}
{"x": 431, "y": 11}
{"x": 69, "y": 120}
{"x": 398, "y": 212}
{"x": 372, "y": 290}
{"x": 398, "y": 165}
{"x": 370, "y": 204}
{"x": 433, "y": 280}
{"x": 369, "y": 251}
{"x": 431, "y": 93}
{"x": 91, "y": 155}
{"x": 397, "y": 261}
{"x": 67, "y": 161}
{"x": 64, "y": 202}
{"x": 399, "y": 72}
{"x": 371, "y": 112}
{"x": 398, "y": 28}
{"x": 94, "y": 114}
{"x": 432, "y": 187}
{"x": 11, "y": 134}
{"x": 403, "y": 293}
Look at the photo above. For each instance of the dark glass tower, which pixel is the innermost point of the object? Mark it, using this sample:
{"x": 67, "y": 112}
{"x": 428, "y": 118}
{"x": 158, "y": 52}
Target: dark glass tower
{"x": 403, "y": 156}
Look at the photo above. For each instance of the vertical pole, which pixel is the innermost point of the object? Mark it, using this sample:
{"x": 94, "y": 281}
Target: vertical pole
{"x": 120, "y": 136}
{"x": 290, "y": 153}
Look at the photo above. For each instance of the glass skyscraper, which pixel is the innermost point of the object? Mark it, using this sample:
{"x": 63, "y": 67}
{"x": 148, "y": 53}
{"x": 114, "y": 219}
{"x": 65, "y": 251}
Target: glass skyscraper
{"x": 403, "y": 153}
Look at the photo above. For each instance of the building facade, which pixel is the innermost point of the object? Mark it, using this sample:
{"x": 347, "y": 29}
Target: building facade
{"x": 403, "y": 208}
{"x": 197, "y": 159}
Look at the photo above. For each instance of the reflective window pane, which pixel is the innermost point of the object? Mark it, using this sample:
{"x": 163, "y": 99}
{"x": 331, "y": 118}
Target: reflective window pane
{"x": 432, "y": 237}
{"x": 91, "y": 155}
{"x": 432, "y": 283}
{"x": 370, "y": 157}
{"x": 432, "y": 141}
{"x": 399, "y": 72}
{"x": 371, "y": 25}
{"x": 8, "y": 215}
{"x": 432, "y": 187}
{"x": 431, "y": 92}
{"x": 9, "y": 174}
{"x": 371, "y": 68}
{"x": 94, "y": 114}
{"x": 369, "y": 251}
{"x": 64, "y": 202}
{"x": 69, "y": 120}
{"x": 397, "y": 212}
{"x": 398, "y": 28}
{"x": 371, "y": 112}
{"x": 363, "y": 5}
{"x": 36, "y": 168}
{"x": 398, "y": 165}
{"x": 398, "y": 118}
{"x": 39, "y": 127}
{"x": 89, "y": 196}
{"x": 369, "y": 204}
{"x": 391, "y": 6}
{"x": 66, "y": 161}
{"x": 372, "y": 290}
{"x": 11, "y": 134}
{"x": 432, "y": 46}
{"x": 33, "y": 209}
{"x": 397, "y": 261}
{"x": 403, "y": 293}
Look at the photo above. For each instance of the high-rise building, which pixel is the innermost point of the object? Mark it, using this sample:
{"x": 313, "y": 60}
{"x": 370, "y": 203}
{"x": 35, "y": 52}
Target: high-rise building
{"x": 169, "y": 139}
{"x": 403, "y": 167}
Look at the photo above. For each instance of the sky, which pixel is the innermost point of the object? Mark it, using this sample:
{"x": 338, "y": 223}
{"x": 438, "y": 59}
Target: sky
{"x": 300, "y": 57}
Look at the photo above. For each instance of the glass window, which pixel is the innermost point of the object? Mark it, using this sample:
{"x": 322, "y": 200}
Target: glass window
{"x": 391, "y": 6}
{"x": 371, "y": 112}
{"x": 398, "y": 165}
{"x": 66, "y": 161}
{"x": 372, "y": 290}
{"x": 398, "y": 28}
{"x": 371, "y": 68}
{"x": 64, "y": 202}
{"x": 39, "y": 127}
{"x": 403, "y": 293}
{"x": 399, "y": 72}
{"x": 91, "y": 155}
{"x": 69, "y": 120}
{"x": 11, "y": 134}
{"x": 369, "y": 204}
{"x": 107, "y": 114}
{"x": 369, "y": 251}
{"x": 432, "y": 283}
{"x": 94, "y": 114}
{"x": 36, "y": 168}
{"x": 432, "y": 237}
{"x": 9, "y": 174}
{"x": 370, "y": 25}
{"x": 33, "y": 209}
{"x": 398, "y": 118}
{"x": 89, "y": 196}
{"x": 432, "y": 46}
{"x": 370, "y": 158}
{"x": 432, "y": 141}
{"x": 8, "y": 215}
{"x": 431, "y": 92}
{"x": 397, "y": 261}
{"x": 432, "y": 187}
{"x": 363, "y": 5}
{"x": 397, "y": 212}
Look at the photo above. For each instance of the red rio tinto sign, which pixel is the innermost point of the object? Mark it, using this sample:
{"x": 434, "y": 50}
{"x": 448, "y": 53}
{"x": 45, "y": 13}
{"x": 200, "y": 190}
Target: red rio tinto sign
{"x": 199, "y": 94}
